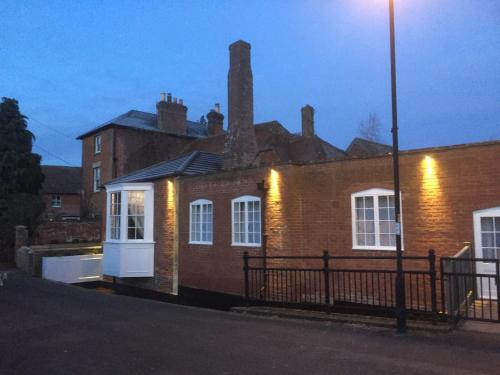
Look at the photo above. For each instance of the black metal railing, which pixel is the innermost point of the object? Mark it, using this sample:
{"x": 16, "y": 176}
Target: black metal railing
{"x": 353, "y": 283}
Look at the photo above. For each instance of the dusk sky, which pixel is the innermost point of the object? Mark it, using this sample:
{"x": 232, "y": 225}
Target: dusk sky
{"x": 73, "y": 65}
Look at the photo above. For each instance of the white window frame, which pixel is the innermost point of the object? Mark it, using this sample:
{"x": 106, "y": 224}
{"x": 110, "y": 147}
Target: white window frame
{"x": 96, "y": 182}
{"x": 97, "y": 144}
{"x": 246, "y": 199}
{"x": 202, "y": 203}
{"x": 375, "y": 193}
{"x": 124, "y": 188}
{"x": 57, "y": 199}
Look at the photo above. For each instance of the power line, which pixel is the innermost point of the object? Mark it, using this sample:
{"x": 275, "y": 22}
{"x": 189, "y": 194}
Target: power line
{"x": 52, "y": 128}
{"x": 53, "y": 155}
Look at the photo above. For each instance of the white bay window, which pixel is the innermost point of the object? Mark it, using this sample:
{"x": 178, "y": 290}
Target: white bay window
{"x": 373, "y": 220}
{"x": 129, "y": 246}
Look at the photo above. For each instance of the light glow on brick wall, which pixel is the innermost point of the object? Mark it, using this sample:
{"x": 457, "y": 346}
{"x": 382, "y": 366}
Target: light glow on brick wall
{"x": 430, "y": 181}
{"x": 274, "y": 209}
{"x": 170, "y": 196}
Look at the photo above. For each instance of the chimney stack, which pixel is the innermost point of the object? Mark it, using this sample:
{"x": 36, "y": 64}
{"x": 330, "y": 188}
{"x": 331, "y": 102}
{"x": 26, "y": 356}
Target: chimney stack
{"x": 307, "y": 121}
{"x": 215, "y": 121}
{"x": 241, "y": 145}
{"x": 172, "y": 115}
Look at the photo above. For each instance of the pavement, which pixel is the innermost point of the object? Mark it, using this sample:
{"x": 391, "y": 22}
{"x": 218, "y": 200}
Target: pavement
{"x": 53, "y": 328}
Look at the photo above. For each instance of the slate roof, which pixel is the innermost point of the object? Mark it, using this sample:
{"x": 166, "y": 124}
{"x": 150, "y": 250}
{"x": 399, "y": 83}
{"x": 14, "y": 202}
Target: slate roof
{"x": 194, "y": 163}
{"x": 146, "y": 121}
{"x": 61, "y": 180}
{"x": 360, "y": 148}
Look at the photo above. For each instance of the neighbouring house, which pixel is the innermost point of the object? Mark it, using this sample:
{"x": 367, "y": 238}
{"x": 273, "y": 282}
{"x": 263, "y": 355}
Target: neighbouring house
{"x": 184, "y": 223}
{"x": 61, "y": 192}
{"x": 138, "y": 139}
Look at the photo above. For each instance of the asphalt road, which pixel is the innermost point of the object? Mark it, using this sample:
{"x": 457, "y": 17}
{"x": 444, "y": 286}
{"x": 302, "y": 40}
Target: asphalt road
{"x": 50, "y": 328}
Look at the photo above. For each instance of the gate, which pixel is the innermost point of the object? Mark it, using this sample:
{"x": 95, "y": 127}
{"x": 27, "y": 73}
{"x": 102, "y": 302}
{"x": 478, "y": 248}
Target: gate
{"x": 358, "y": 284}
{"x": 467, "y": 291}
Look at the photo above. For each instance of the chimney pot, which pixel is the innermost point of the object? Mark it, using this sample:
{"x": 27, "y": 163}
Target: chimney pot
{"x": 217, "y": 107}
{"x": 162, "y": 96}
{"x": 172, "y": 117}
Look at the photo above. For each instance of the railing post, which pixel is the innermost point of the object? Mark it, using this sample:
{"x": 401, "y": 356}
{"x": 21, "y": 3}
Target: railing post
{"x": 443, "y": 297}
{"x": 432, "y": 273}
{"x": 498, "y": 288}
{"x": 326, "y": 273}
{"x": 245, "y": 269}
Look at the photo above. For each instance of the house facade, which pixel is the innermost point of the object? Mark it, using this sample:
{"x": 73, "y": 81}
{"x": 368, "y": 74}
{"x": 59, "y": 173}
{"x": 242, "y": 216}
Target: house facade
{"x": 185, "y": 221}
{"x": 61, "y": 192}
{"x": 199, "y": 224}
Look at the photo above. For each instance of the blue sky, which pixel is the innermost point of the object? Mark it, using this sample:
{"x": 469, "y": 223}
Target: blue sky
{"x": 75, "y": 64}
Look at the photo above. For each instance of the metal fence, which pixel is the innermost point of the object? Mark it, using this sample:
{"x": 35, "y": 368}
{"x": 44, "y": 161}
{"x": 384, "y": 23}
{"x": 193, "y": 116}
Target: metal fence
{"x": 342, "y": 283}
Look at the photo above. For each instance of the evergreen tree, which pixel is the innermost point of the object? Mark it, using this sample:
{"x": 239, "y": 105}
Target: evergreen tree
{"x": 21, "y": 177}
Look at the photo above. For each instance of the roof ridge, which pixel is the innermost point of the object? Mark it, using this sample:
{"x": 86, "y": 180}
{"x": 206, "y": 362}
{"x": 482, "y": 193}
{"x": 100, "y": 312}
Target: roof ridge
{"x": 186, "y": 162}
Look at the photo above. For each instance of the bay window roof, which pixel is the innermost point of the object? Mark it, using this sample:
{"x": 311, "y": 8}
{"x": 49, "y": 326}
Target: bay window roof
{"x": 194, "y": 163}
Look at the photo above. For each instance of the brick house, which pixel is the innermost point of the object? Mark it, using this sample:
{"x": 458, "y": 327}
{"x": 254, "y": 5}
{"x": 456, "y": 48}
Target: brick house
{"x": 185, "y": 222}
{"x": 61, "y": 192}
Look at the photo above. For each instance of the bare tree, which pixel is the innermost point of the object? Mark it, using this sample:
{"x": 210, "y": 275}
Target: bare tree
{"x": 370, "y": 128}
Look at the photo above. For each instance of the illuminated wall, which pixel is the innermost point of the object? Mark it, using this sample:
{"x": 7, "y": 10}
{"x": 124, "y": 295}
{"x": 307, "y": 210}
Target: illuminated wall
{"x": 274, "y": 210}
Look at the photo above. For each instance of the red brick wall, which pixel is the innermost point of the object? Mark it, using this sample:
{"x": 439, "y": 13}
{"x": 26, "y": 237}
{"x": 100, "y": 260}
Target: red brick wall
{"x": 134, "y": 149}
{"x": 62, "y": 231}
{"x": 312, "y": 211}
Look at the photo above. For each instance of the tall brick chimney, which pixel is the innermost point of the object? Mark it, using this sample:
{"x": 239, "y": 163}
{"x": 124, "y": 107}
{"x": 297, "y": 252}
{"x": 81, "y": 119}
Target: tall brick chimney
{"x": 172, "y": 115}
{"x": 241, "y": 146}
{"x": 215, "y": 121}
{"x": 307, "y": 121}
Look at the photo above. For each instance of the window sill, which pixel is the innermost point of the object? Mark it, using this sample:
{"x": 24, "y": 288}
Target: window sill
{"x": 374, "y": 248}
{"x": 246, "y": 244}
{"x": 129, "y": 242}
{"x": 200, "y": 243}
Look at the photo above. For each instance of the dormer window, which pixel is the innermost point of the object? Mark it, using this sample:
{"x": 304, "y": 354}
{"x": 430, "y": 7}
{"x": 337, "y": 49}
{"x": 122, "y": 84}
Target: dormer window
{"x": 97, "y": 144}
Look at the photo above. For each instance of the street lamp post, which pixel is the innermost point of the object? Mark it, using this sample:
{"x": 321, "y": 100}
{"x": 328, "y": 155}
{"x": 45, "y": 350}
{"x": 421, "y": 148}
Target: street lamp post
{"x": 400, "y": 282}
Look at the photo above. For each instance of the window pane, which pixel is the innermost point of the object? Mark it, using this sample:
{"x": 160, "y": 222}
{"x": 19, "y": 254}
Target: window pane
{"x": 368, "y": 202}
{"x": 135, "y": 210}
{"x": 370, "y": 227}
{"x": 488, "y": 253}
{"x": 370, "y": 240}
{"x": 384, "y": 227}
{"x": 369, "y": 214}
{"x": 383, "y": 214}
{"x": 360, "y": 227}
{"x": 382, "y": 201}
{"x": 385, "y": 240}
{"x": 488, "y": 240}
{"x": 360, "y": 214}
{"x": 361, "y": 239}
{"x": 359, "y": 202}
{"x": 487, "y": 224}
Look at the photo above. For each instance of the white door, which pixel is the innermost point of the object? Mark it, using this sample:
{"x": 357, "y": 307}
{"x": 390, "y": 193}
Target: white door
{"x": 487, "y": 245}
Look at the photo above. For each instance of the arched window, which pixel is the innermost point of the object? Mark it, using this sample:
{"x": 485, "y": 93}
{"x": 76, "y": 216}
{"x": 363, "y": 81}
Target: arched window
{"x": 246, "y": 221}
{"x": 373, "y": 220}
{"x": 201, "y": 222}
